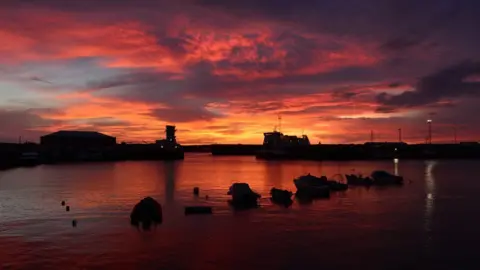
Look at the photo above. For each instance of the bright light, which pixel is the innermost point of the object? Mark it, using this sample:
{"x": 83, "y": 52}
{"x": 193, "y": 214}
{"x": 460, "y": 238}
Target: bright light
{"x": 429, "y": 120}
{"x": 395, "y": 160}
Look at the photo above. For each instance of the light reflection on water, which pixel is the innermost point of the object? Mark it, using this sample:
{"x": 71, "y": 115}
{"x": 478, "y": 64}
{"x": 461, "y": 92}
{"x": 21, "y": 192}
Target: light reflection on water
{"x": 395, "y": 166}
{"x": 430, "y": 193}
{"x": 391, "y": 223}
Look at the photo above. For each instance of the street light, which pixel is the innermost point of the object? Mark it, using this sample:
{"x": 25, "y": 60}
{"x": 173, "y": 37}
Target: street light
{"x": 429, "y": 122}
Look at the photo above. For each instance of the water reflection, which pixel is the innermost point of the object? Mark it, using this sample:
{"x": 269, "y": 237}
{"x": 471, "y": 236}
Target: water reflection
{"x": 430, "y": 197}
{"x": 170, "y": 168}
{"x": 274, "y": 174}
{"x": 380, "y": 221}
{"x": 395, "y": 166}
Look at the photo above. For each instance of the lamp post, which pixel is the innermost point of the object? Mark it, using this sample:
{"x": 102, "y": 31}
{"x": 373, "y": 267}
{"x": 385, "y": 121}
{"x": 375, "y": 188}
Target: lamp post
{"x": 429, "y": 123}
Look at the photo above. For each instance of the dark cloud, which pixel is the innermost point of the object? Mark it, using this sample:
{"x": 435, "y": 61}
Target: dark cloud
{"x": 24, "y": 123}
{"x": 145, "y": 77}
{"x": 202, "y": 87}
{"x": 314, "y": 109}
{"x": 395, "y": 84}
{"x": 400, "y": 44}
{"x": 344, "y": 95}
{"x": 448, "y": 83}
{"x": 89, "y": 5}
{"x": 394, "y": 25}
{"x": 38, "y": 79}
{"x": 175, "y": 45}
{"x": 256, "y": 107}
{"x": 351, "y": 16}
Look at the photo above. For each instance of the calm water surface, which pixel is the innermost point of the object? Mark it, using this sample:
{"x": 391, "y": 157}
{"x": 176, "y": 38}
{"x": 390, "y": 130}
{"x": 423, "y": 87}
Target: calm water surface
{"x": 430, "y": 223}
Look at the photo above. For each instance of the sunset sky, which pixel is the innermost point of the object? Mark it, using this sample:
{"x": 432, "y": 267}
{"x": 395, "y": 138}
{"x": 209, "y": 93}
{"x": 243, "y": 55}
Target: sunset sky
{"x": 222, "y": 71}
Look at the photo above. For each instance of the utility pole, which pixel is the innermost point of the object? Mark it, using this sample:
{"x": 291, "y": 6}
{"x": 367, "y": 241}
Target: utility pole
{"x": 399, "y": 135}
{"x": 371, "y": 136}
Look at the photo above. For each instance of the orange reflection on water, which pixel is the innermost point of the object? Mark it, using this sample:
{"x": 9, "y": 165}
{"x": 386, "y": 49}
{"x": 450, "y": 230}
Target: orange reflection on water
{"x": 102, "y": 195}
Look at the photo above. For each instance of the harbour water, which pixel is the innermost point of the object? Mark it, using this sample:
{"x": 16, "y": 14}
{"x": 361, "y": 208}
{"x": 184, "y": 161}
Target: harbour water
{"x": 431, "y": 222}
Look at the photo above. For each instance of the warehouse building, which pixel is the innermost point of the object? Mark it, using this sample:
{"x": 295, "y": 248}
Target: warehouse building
{"x": 77, "y": 139}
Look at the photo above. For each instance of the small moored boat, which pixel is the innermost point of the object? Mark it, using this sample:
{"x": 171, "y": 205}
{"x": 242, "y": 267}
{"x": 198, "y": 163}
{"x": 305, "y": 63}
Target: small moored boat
{"x": 243, "y": 195}
{"x": 337, "y": 186}
{"x": 280, "y": 196}
{"x": 385, "y": 178}
{"x": 312, "y": 186}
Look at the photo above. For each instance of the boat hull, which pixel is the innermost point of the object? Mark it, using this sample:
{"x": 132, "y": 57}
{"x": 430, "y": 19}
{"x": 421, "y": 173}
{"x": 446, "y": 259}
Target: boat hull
{"x": 311, "y": 191}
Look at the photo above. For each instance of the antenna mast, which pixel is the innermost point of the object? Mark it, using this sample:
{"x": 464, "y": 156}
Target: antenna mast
{"x": 279, "y": 123}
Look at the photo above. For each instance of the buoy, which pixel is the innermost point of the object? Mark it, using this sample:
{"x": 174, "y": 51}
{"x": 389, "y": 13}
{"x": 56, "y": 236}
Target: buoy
{"x": 63, "y": 203}
{"x": 68, "y": 208}
{"x": 196, "y": 191}
{"x": 74, "y": 223}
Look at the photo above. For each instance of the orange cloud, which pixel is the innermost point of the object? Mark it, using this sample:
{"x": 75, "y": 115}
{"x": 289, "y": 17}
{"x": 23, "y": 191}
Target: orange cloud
{"x": 54, "y": 35}
{"x": 129, "y": 120}
{"x": 57, "y": 35}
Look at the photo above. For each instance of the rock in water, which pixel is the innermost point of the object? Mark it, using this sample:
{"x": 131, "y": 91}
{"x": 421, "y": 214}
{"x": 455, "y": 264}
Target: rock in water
{"x": 67, "y": 208}
{"x": 196, "y": 191}
{"x": 63, "y": 203}
{"x": 146, "y": 213}
{"x": 74, "y": 223}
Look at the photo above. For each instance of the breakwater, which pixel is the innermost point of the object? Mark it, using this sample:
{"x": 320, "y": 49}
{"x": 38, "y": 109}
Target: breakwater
{"x": 16, "y": 155}
{"x": 373, "y": 151}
